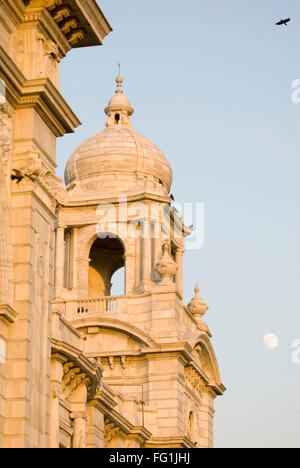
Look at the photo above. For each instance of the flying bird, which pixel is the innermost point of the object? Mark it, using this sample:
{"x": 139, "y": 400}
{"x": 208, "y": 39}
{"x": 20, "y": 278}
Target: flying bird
{"x": 285, "y": 22}
{"x": 172, "y": 197}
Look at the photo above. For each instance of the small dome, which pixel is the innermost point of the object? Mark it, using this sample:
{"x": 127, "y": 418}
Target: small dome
{"x": 118, "y": 160}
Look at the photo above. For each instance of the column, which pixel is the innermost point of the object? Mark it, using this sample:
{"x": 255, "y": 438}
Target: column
{"x": 83, "y": 279}
{"x": 179, "y": 274}
{"x": 60, "y": 258}
{"x": 57, "y": 362}
{"x": 79, "y": 432}
{"x": 74, "y": 259}
{"x": 95, "y": 425}
{"x": 147, "y": 258}
{"x": 138, "y": 276}
{"x": 157, "y": 247}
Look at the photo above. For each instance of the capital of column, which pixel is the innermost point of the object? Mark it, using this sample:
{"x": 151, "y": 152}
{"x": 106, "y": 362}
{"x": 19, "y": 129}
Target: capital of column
{"x": 79, "y": 415}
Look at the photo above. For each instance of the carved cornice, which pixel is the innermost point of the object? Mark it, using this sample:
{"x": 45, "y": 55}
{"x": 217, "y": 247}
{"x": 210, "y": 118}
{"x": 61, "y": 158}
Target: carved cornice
{"x": 40, "y": 17}
{"x": 40, "y": 94}
{"x": 12, "y": 77}
{"x": 169, "y": 442}
{"x": 43, "y": 96}
{"x": 14, "y": 9}
{"x": 78, "y": 369}
{"x": 80, "y": 23}
{"x": 96, "y": 18}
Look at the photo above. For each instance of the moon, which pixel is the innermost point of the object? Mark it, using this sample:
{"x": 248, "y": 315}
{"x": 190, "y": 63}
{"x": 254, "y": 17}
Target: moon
{"x": 271, "y": 341}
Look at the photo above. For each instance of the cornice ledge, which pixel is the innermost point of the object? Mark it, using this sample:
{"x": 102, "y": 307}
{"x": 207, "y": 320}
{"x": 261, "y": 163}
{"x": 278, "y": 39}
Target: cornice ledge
{"x": 95, "y": 18}
{"x": 15, "y": 9}
{"x": 172, "y": 442}
{"x": 41, "y": 15}
{"x": 121, "y": 422}
{"x": 43, "y": 95}
{"x": 12, "y": 76}
{"x": 105, "y": 397}
{"x": 171, "y": 348}
{"x": 218, "y": 389}
{"x": 140, "y": 433}
{"x": 90, "y": 368}
{"x": 7, "y": 313}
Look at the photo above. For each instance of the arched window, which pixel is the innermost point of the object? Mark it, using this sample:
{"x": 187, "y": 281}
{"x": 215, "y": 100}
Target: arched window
{"x": 107, "y": 256}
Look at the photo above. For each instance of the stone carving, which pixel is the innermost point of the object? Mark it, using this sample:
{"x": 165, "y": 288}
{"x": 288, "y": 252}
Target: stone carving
{"x": 68, "y": 25}
{"x": 198, "y": 308}
{"x": 72, "y": 378}
{"x": 50, "y": 48}
{"x": 53, "y": 185}
{"x": 5, "y": 133}
{"x": 166, "y": 267}
{"x": 29, "y": 166}
{"x": 110, "y": 431}
{"x": 75, "y": 36}
{"x": 61, "y": 13}
{"x": 193, "y": 378}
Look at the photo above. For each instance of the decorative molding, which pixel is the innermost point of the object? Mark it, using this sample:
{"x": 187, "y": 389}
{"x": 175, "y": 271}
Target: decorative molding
{"x": 169, "y": 442}
{"x": 111, "y": 430}
{"x": 40, "y": 94}
{"x": 195, "y": 380}
{"x": 6, "y": 134}
{"x": 53, "y": 185}
{"x": 43, "y": 96}
{"x": 29, "y": 165}
{"x": 72, "y": 378}
{"x": 7, "y": 313}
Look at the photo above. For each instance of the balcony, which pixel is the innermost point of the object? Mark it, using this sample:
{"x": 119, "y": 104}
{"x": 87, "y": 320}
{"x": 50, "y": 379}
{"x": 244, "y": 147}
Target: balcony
{"x": 95, "y": 307}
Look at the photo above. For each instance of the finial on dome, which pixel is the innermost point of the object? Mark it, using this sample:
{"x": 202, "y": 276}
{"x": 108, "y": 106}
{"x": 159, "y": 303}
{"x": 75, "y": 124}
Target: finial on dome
{"x": 119, "y": 109}
{"x": 119, "y": 81}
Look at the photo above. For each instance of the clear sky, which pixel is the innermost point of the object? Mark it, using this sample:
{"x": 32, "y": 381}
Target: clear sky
{"x": 211, "y": 85}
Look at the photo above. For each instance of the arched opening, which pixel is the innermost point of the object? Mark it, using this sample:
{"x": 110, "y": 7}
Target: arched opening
{"x": 117, "y": 119}
{"x": 107, "y": 256}
{"x": 118, "y": 282}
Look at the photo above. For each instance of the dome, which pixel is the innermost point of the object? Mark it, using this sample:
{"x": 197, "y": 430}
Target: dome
{"x": 118, "y": 160}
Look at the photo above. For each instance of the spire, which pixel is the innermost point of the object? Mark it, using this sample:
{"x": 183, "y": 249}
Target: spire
{"x": 119, "y": 81}
{"x": 119, "y": 109}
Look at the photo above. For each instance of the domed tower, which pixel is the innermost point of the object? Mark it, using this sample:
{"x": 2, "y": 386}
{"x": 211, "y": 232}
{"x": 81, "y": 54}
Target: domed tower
{"x": 160, "y": 371}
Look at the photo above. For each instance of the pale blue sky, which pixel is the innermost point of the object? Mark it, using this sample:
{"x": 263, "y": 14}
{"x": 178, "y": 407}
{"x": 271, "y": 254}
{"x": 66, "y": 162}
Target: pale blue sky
{"x": 211, "y": 85}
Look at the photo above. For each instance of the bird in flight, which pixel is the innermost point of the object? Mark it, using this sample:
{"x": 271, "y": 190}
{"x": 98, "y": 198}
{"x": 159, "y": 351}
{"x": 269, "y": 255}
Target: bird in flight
{"x": 285, "y": 22}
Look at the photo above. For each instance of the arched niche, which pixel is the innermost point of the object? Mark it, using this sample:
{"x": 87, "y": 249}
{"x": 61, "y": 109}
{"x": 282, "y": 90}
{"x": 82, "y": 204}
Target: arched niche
{"x": 107, "y": 256}
{"x": 205, "y": 357}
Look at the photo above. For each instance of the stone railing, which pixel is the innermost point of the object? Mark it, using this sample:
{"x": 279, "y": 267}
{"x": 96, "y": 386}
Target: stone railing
{"x": 99, "y": 306}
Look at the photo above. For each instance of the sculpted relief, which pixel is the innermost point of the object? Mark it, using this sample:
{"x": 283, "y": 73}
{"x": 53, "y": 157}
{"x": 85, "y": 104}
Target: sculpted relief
{"x": 30, "y": 166}
{"x": 5, "y": 133}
